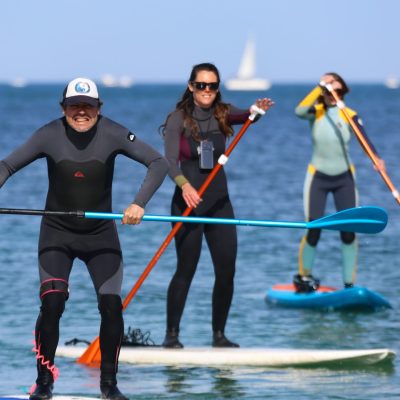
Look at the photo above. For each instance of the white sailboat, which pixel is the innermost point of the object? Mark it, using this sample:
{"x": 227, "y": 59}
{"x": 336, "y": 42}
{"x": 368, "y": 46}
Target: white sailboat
{"x": 246, "y": 79}
{"x": 109, "y": 80}
{"x": 392, "y": 82}
{"x": 18, "y": 82}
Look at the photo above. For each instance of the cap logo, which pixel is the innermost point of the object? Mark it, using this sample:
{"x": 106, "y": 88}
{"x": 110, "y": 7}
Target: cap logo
{"x": 131, "y": 137}
{"x": 82, "y": 87}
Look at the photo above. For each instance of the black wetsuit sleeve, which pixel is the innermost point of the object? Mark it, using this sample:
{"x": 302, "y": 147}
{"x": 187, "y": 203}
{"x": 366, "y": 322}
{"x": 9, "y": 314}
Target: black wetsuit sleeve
{"x": 172, "y": 136}
{"x": 21, "y": 157}
{"x": 4, "y": 173}
{"x": 157, "y": 167}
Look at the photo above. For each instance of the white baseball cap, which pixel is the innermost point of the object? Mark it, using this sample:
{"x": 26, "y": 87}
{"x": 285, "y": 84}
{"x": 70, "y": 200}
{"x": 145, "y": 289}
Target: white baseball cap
{"x": 81, "y": 90}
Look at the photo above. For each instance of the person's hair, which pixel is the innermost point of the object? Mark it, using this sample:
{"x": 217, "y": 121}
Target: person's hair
{"x": 186, "y": 104}
{"x": 345, "y": 89}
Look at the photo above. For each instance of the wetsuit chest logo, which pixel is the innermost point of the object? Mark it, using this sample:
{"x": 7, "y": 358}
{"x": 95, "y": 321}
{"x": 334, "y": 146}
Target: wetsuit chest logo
{"x": 79, "y": 174}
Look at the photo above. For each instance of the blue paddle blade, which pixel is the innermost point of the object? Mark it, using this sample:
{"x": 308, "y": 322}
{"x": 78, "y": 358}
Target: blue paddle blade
{"x": 367, "y": 219}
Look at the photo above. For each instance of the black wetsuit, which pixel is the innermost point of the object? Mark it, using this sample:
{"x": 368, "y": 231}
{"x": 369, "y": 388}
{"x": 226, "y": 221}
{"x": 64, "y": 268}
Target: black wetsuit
{"x": 181, "y": 150}
{"x": 80, "y": 171}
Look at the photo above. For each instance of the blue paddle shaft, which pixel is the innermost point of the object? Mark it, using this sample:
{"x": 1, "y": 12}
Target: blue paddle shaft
{"x": 368, "y": 219}
{"x": 201, "y": 220}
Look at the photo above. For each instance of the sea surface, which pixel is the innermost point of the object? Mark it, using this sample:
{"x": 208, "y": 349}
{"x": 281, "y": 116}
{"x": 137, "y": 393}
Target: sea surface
{"x": 266, "y": 173}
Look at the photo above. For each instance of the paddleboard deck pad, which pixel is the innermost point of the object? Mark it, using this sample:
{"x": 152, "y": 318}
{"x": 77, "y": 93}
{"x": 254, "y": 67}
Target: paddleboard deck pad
{"x": 327, "y": 298}
{"x": 266, "y": 357}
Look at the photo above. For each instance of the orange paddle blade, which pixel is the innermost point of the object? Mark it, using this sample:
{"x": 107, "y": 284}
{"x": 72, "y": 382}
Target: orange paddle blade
{"x": 92, "y": 353}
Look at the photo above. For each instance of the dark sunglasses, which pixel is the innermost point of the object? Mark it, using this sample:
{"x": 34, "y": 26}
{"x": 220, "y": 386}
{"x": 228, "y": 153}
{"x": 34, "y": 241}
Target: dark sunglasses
{"x": 340, "y": 92}
{"x": 202, "y": 85}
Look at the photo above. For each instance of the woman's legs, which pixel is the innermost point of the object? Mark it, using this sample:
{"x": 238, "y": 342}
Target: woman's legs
{"x": 315, "y": 195}
{"x": 346, "y": 196}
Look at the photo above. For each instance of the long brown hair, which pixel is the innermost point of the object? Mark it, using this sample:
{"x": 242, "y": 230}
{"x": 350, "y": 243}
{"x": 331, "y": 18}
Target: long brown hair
{"x": 186, "y": 104}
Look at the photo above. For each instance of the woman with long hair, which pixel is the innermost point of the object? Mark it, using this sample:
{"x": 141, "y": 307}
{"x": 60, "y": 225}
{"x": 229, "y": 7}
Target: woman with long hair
{"x": 330, "y": 171}
{"x": 195, "y": 135}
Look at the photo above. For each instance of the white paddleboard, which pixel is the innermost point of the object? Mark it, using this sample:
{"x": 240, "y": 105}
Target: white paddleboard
{"x": 266, "y": 357}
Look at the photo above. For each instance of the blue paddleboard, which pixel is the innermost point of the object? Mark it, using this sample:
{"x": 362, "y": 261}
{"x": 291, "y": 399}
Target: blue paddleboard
{"x": 326, "y": 298}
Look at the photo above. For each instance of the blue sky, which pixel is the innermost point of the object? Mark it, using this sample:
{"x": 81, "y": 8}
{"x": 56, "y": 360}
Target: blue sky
{"x": 159, "y": 40}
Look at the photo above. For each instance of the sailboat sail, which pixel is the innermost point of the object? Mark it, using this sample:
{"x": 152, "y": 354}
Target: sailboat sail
{"x": 247, "y": 68}
{"x": 246, "y": 79}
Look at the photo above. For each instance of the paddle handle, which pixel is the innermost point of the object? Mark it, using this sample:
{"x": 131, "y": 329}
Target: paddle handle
{"x": 19, "y": 211}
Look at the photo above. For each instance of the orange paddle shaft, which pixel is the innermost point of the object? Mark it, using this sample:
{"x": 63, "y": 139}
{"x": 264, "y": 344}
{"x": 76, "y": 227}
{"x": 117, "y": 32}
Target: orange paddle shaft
{"x": 92, "y": 353}
{"x": 364, "y": 143}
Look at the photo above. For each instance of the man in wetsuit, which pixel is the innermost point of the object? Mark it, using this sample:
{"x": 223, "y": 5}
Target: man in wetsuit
{"x": 80, "y": 149}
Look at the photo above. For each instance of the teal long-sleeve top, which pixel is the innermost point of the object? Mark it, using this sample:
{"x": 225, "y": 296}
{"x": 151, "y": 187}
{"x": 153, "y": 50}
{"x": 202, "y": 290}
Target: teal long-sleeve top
{"x": 331, "y": 133}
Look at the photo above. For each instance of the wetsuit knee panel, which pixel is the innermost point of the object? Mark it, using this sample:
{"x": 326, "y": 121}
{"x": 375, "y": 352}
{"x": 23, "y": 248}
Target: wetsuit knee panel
{"x": 54, "y": 285}
{"x": 313, "y": 236}
{"x": 347, "y": 237}
{"x": 110, "y": 306}
{"x": 53, "y": 306}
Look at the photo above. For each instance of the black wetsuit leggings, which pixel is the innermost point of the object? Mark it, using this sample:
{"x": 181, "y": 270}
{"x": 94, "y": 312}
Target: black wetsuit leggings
{"x": 344, "y": 194}
{"x": 100, "y": 250}
{"x": 222, "y": 243}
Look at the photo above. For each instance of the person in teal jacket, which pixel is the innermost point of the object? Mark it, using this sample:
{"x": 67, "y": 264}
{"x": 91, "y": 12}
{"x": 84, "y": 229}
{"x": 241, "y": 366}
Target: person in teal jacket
{"x": 330, "y": 171}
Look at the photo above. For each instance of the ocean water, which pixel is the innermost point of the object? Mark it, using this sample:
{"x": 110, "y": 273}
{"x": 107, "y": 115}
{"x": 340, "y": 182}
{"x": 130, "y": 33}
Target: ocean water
{"x": 266, "y": 173}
